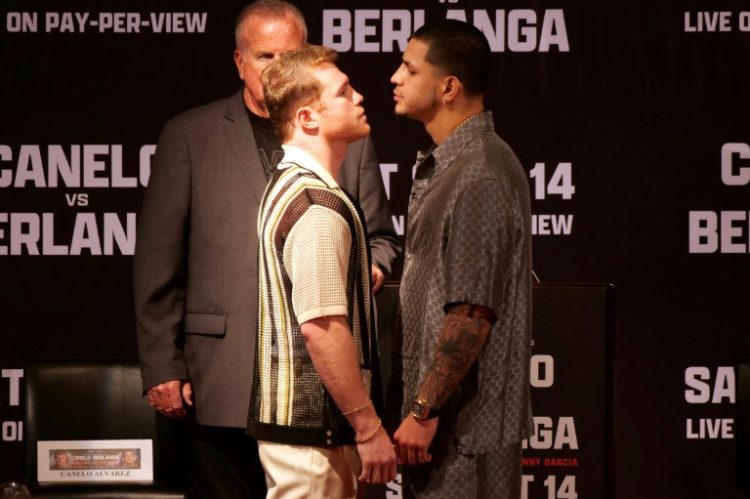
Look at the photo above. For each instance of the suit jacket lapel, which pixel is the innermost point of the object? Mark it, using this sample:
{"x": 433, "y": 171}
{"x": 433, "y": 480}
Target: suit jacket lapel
{"x": 242, "y": 142}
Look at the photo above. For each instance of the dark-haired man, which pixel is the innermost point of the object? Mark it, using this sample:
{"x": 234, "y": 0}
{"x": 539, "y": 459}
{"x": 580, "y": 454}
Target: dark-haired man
{"x": 466, "y": 286}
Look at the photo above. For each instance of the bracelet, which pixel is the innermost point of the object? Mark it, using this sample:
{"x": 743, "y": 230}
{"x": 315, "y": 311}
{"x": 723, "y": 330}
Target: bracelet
{"x": 368, "y": 404}
{"x": 370, "y": 436}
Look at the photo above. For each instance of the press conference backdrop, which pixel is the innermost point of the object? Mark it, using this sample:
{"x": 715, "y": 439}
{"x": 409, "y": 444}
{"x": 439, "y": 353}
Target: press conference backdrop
{"x": 631, "y": 119}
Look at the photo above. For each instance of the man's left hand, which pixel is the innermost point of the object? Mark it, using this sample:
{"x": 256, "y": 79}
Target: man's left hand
{"x": 378, "y": 278}
{"x": 413, "y": 439}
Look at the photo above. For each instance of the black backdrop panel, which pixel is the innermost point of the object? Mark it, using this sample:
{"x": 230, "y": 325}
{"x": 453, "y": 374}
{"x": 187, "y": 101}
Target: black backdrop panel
{"x": 631, "y": 119}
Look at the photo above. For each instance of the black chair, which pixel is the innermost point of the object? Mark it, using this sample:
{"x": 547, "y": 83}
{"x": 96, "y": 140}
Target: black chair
{"x": 99, "y": 401}
{"x": 742, "y": 433}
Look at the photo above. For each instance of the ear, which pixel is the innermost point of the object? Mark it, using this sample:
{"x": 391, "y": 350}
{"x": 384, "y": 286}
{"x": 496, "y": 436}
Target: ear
{"x": 450, "y": 88}
{"x": 238, "y": 58}
{"x": 306, "y": 118}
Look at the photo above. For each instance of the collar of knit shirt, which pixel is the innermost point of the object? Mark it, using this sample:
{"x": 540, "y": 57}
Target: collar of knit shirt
{"x": 294, "y": 155}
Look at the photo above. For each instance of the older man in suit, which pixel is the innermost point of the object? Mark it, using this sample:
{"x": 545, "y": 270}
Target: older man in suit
{"x": 195, "y": 267}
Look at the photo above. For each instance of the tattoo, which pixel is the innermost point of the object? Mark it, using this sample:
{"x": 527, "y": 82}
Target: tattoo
{"x": 459, "y": 343}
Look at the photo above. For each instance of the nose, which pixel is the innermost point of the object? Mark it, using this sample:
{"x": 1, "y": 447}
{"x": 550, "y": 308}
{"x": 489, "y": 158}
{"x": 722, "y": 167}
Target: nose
{"x": 395, "y": 76}
{"x": 358, "y": 98}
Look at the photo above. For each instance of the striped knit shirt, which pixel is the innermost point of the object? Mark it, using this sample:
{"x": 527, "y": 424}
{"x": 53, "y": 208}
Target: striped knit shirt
{"x": 313, "y": 262}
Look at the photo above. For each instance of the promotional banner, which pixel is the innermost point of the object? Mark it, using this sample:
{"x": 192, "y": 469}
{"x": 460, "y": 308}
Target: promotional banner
{"x": 569, "y": 454}
{"x": 631, "y": 120}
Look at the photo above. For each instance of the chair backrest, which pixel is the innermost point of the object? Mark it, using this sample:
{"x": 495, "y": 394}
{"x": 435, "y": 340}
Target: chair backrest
{"x": 97, "y": 401}
{"x": 742, "y": 433}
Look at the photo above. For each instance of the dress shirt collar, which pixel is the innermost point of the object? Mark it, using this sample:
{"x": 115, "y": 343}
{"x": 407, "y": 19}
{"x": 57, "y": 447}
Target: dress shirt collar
{"x": 446, "y": 152}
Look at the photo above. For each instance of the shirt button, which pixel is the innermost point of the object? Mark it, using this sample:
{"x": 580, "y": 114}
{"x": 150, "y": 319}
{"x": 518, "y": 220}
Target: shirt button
{"x": 329, "y": 433}
{"x": 329, "y": 441}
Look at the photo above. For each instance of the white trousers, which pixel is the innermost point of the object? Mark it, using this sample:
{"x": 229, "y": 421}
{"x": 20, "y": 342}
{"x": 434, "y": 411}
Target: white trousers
{"x": 295, "y": 471}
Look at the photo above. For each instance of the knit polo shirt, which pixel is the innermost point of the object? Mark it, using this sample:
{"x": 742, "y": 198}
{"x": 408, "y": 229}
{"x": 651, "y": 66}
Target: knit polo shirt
{"x": 313, "y": 262}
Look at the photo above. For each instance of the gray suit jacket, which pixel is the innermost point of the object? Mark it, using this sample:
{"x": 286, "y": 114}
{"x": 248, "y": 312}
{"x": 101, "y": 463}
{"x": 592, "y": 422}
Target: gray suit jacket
{"x": 195, "y": 264}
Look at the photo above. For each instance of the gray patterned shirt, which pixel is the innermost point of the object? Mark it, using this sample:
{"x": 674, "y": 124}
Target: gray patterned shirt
{"x": 469, "y": 240}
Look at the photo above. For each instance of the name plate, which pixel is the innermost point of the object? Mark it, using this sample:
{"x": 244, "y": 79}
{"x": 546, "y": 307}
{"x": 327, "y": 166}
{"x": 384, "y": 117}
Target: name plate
{"x": 93, "y": 461}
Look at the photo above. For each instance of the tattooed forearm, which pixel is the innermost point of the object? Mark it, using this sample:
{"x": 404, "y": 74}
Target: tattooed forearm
{"x": 461, "y": 338}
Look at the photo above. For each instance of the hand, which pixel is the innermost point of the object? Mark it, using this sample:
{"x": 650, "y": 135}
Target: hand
{"x": 167, "y": 398}
{"x": 413, "y": 439}
{"x": 378, "y": 278}
{"x": 378, "y": 459}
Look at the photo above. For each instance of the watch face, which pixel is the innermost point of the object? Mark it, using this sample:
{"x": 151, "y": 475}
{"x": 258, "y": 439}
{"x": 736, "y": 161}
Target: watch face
{"x": 419, "y": 409}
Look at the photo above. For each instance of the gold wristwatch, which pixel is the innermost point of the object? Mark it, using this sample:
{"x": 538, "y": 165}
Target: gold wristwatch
{"x": 421, "y": 410}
